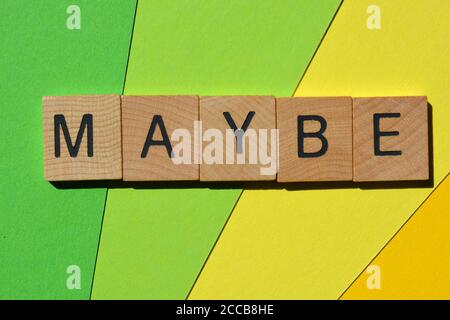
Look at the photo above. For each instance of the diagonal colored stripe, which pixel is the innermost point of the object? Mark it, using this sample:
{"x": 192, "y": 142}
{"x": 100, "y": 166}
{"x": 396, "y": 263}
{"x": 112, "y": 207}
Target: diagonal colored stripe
{"x": 311, "y": 241}
{"x": 46, "y": 228}
{"x": 214, "y": 245}
{"x": 237, "y": 201}
{"x": 106, "y": 195}
{"x": 154, "y": 242}
{"x": 414, "y": 264}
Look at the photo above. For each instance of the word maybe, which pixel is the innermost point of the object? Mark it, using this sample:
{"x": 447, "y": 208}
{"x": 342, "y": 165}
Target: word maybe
{"x": 149, "y": 138}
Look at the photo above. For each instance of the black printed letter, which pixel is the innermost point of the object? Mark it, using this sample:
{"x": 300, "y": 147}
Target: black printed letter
{"x": 86, "y": 122}
{"x": 319, "y": 135}
{"x": 239, "y": 133}
{"x": 157, "y": 121}
{"x": 377, "y": 134}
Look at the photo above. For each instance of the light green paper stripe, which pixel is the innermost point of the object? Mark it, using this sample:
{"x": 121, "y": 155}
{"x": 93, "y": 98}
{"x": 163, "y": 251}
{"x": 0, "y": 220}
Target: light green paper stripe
{"x": 154, "y": 242}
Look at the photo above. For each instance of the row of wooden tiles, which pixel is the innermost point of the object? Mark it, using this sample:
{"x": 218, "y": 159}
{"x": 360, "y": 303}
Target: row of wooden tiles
{"x": 134, "y": 138}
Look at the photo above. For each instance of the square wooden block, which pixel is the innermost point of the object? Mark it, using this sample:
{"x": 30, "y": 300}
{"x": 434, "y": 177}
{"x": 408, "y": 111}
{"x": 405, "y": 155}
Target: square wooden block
{"x": 315, "y": 139}
{"x": 82, "y": 138}
{"x": 158, "y": 138}
{"x": 390, "y": 139}
{"x": 250, "y": 156}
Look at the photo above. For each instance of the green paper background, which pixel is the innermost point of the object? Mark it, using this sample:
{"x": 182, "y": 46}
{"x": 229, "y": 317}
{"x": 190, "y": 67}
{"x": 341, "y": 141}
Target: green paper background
{"x": 43, "y": 229}
{"x": 154, "y": 242}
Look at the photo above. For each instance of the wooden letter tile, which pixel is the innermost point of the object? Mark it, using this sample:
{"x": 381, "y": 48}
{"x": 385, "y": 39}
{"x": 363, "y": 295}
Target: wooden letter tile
{"x": 390, "y": 139}
{"x": 158, "y": 138}
{"x": 82, "y": 138}
{"x": 315, "y": 141}
{"x": 254, "y": 156}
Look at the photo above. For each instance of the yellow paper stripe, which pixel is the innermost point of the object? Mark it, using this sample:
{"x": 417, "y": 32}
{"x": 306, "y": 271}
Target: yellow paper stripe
{"x": 309, "y": 243}
{"x": 415, "y": 263}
